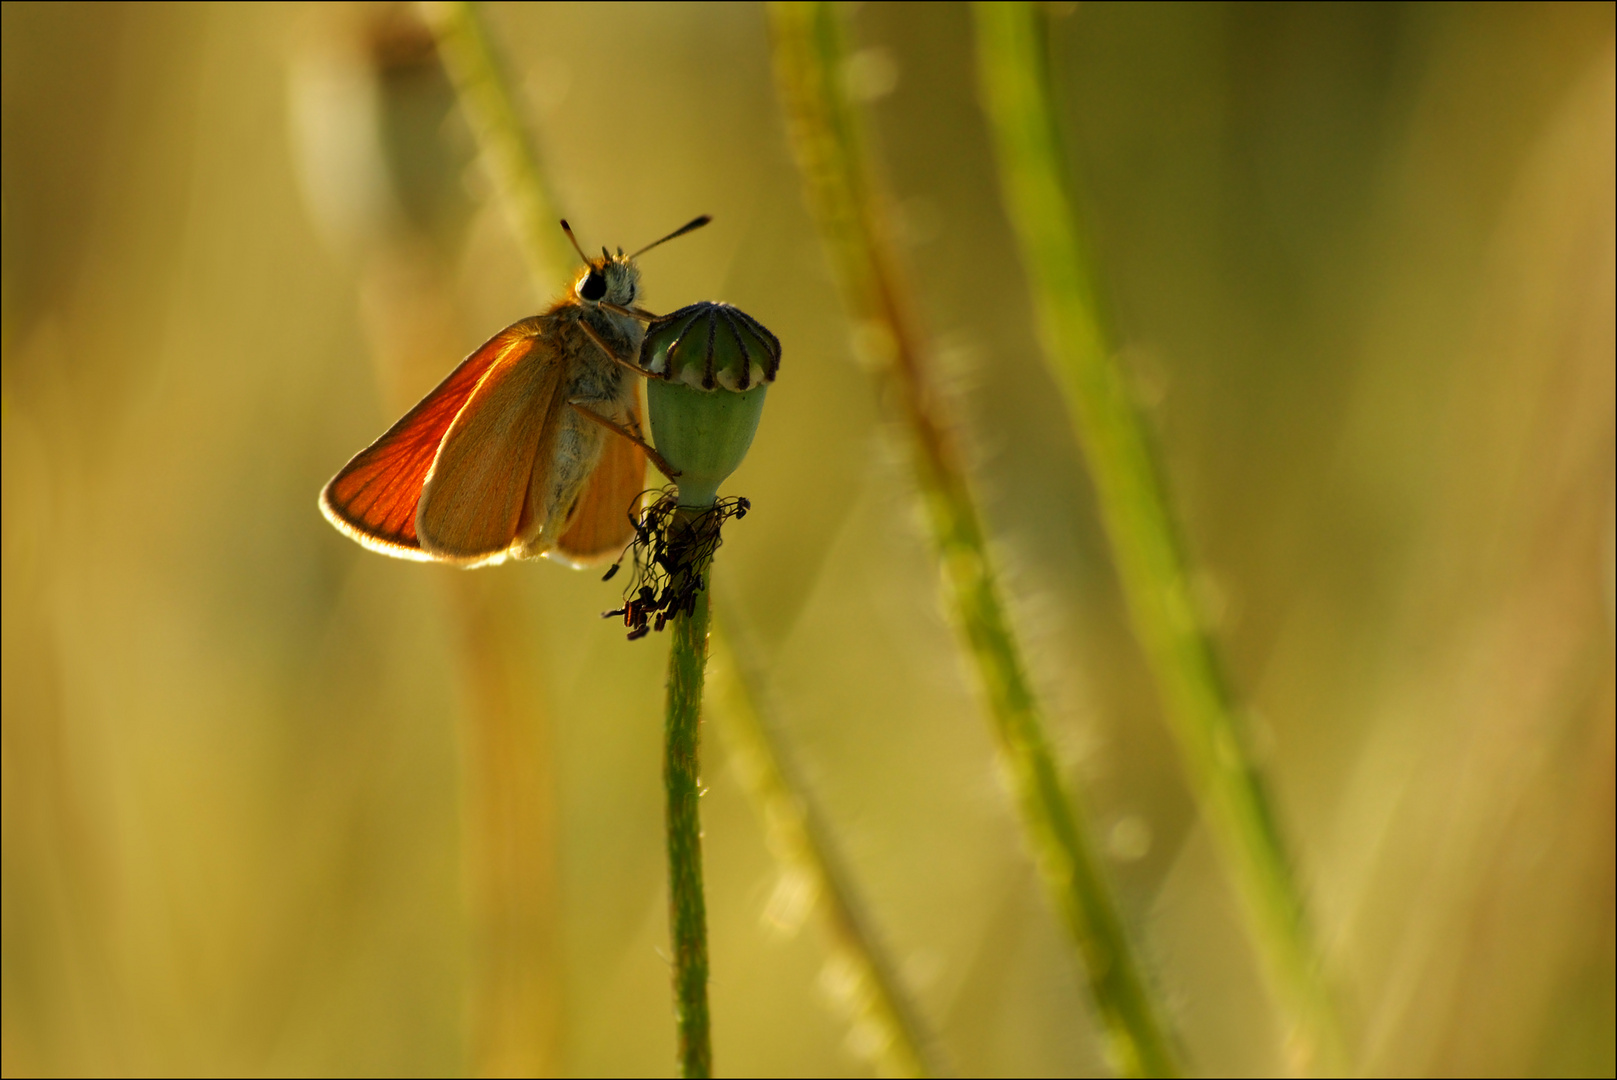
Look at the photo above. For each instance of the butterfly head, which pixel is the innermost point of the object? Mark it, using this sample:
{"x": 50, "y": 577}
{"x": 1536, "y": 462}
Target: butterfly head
{"x": 614, "y": 279}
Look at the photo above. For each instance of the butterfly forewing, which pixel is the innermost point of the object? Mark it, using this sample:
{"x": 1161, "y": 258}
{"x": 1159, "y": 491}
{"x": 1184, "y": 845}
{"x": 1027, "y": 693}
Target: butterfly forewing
{"x": 473, "y": 500}
{"x": 374, "y": 497}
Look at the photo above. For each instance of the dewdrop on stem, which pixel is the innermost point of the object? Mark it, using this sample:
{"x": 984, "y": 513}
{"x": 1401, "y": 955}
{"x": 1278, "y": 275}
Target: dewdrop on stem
{"x": 710, "y": 366}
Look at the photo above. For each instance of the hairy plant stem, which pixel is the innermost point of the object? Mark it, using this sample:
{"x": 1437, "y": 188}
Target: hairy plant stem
{"x": 1081, "y": 351}
{"x": 687, "y": 911}
{"x": 844, "y": 196}
{"x": 520, "y": 181}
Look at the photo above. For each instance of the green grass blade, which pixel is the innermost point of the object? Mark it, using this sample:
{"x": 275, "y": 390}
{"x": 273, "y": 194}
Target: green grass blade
{"x": 843, "y": 195}
{"x": 1014, "y": 71}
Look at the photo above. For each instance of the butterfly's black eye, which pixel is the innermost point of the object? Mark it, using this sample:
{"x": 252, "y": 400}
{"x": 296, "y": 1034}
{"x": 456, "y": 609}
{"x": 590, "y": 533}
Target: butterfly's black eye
{"x": 594, "y": 286}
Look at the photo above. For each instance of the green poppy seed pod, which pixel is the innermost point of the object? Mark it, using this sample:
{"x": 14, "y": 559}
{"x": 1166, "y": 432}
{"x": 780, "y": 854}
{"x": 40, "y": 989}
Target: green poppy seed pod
{"x": 711, "y": 365}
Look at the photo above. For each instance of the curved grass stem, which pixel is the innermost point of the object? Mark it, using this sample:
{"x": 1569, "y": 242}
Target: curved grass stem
{"x": 486, "y": 96}
{"x": 1015, "y": 82}
{"x": 810, "y": 58}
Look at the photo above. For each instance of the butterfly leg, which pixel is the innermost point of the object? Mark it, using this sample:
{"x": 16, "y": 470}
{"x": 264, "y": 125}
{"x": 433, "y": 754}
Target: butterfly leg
{"x": 612, "y": 425}
{"x": 600, "y": 342}
{"x": 632, "y": 312}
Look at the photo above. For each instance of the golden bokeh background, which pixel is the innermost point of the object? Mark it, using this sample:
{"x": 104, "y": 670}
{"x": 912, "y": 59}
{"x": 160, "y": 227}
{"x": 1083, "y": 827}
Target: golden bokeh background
{"x": 274, "y": 804}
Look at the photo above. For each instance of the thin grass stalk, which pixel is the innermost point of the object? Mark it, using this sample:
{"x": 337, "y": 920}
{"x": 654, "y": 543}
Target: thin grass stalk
{"x": 801, "y": 843}
{"x": 503, "y": 139}
{"x": 842, "y": 190}
{"x": 520, "y": 181}
{"x": 687, "y": 911}
{"x": 1080, "y": 349}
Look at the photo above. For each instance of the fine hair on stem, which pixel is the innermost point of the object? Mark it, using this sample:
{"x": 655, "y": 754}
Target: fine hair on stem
{"x": 1081, "y": 351}
{"x": 846, "y": 199}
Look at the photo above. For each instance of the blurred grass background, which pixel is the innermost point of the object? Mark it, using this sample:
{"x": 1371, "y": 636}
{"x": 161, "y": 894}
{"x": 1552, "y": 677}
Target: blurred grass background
{"x": 1362, "y": 260}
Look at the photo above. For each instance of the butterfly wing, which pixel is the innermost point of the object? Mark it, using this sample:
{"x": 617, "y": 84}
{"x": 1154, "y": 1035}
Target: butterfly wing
{"x": 373, "y": 498}
{"x": 600, "y": 527}
{"x": 474, "y": 499}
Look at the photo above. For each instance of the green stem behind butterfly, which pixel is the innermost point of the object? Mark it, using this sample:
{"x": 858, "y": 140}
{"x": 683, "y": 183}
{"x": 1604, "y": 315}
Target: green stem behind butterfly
{"x": 1151, "y": 565}
{"x": 810, "y": 59}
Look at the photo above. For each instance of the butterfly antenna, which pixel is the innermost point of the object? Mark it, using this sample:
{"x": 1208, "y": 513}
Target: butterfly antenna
{"x": 689, "y": 226}
{"x": 568, "y": 229}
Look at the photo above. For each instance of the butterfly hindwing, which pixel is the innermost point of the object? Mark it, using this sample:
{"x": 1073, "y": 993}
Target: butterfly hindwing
{"x": 600, "y": 527}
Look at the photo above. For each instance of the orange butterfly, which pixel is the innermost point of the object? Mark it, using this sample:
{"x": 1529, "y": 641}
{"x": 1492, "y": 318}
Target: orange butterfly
{"x": 532, "y": 446}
